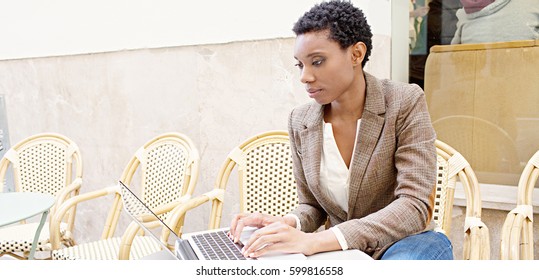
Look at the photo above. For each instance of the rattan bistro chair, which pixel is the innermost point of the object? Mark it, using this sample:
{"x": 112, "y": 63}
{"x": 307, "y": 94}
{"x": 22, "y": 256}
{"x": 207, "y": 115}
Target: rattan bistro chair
{"x": 517, "y": 231}
{"x": 266, "y": 181}
{"x": 451, "y": 166}
{"x": 168, "y": 166}
{"x": 45, "y": 163}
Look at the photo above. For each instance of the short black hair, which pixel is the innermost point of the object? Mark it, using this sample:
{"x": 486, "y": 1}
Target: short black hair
{"x": 347, "y": 24}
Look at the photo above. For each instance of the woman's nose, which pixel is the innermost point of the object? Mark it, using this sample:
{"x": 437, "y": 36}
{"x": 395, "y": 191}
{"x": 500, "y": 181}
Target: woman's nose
{"x": 306, "y": 76}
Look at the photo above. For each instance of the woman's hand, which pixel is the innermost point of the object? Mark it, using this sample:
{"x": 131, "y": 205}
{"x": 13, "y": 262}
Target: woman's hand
{"x": 279, "y": 237}
{"x": 251, "y": 219}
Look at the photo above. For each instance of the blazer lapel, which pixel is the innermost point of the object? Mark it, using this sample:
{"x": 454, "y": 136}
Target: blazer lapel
{"x": 311, "y": 144}
{"x": 372, "y": 122}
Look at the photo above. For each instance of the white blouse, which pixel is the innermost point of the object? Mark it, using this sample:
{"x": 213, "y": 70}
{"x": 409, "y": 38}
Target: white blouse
{"x": 334, "y": 176}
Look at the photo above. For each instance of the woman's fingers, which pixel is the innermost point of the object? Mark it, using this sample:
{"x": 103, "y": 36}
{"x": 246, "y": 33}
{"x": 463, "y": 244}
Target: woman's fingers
{"x": 253, "y": 220}
{"x": 234, "y": 224}
{"x": 272, "y": 238}
{"x": 242, "y": 220}
{"x": 260, "y": 234}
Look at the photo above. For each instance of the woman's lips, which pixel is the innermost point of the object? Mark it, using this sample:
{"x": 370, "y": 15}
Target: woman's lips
{"x": 313, "y": 92}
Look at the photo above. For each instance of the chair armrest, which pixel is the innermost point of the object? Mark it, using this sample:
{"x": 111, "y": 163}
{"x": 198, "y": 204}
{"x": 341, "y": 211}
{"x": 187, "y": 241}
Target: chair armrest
{"x": 67, "y": 205}
{"x": 184, "y": 204}
{"x": 150, "y": 221}
{"x": 162, "y": 209}
{"x": 127, "y": 240}
{"x": 476, "y": 240}
{"x": 520, "y": 238}
{"x": 505, "y": 244}
{"x": 175, "y": 220}
{"x": 66, "y": 192}
{"x": 171, "y": 205}
{"x": 517, "y": 234}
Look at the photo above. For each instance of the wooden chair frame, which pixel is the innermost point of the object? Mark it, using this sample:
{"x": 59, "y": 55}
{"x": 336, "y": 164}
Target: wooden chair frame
{"x": 517, "y": 231}
{"x": 476, "y": 235}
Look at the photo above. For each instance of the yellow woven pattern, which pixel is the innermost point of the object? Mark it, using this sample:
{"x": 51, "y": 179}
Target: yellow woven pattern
{"x": 164, "y": 176}
{"x": 107, "y": 249}
{"x": 43, "y": 168}
{"x": 269, "y": 183}
{"x": 19, "y": 238}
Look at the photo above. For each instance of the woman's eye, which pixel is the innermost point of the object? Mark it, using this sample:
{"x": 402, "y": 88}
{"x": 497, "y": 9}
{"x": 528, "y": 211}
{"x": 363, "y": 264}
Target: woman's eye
{"x": 318, "y": 62}
{"x": 299, "y": 65}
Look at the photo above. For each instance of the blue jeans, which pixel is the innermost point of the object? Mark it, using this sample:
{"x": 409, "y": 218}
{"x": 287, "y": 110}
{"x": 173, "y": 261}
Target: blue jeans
{"x": 429, "y": 245}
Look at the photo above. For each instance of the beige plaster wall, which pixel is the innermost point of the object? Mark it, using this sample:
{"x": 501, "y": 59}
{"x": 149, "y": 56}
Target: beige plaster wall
{"x": 112, "y": 103}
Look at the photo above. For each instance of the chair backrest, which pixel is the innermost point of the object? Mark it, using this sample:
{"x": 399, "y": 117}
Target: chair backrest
{"x": 45, "y": 163}
{"x": 266, "y": 180}
{"x": 528, "y": 180}
{"x": 168, "y": 166}
{"x": 451, "y": 166}
{"x": 485, "y": 96}
{"x": 517, "y": 232}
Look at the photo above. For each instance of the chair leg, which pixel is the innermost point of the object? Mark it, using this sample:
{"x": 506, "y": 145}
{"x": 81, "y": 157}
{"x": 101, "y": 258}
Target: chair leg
{"x": 14, "y": 255}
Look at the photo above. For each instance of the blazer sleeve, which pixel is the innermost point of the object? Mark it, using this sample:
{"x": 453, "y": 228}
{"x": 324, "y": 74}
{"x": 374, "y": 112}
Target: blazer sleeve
{"x": 415, "y": 163}
{"x": 309, "y": 211}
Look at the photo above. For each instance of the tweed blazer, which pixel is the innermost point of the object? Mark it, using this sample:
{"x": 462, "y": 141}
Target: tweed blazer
{"x": 392, "y": 174}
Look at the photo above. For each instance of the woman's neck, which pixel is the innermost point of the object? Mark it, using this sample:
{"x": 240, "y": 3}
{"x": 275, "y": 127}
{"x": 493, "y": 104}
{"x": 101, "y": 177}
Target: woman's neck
{"x": 349, "y": 106}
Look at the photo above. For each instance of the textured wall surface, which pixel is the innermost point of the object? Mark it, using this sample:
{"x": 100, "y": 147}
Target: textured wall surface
{"x": 112, "y": 103}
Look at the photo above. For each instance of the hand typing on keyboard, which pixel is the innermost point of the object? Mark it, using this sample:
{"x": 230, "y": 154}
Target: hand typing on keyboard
{"x": 277, "y": 237}
{"x": 278, "y": 234}
{"x": 256, "y": 220}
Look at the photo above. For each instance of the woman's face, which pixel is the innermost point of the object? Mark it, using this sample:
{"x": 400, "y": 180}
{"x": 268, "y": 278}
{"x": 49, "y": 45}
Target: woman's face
{"x": 325, "y": 68}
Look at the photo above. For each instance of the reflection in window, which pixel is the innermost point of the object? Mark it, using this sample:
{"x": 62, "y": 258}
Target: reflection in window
{"x": 482, "y": 96}
{"x": 435, "y": 27}
{"x": 481, "y": 21}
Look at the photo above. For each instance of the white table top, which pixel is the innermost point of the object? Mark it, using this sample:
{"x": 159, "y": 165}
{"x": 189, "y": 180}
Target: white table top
{"x": 18, "y": 206}
{"x": 335, "y": 255}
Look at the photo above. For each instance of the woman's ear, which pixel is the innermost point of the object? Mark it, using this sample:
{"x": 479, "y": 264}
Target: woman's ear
{"x": 358, "y": 53}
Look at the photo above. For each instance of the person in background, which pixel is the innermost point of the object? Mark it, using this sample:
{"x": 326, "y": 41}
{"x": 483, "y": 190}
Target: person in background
{"x": 363, "y": 153}
{"x": 418, "y": 41}
{"x": 482, "y": 21}
{"x": 441, "y": 23}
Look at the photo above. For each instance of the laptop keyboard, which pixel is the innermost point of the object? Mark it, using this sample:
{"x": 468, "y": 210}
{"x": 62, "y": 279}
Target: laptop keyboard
{"x": 217, "y": 246}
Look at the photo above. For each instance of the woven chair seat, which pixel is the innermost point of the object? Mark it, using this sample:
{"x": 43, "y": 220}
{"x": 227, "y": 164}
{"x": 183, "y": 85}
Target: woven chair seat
{"x": 107, "y": 249}
{"x": 19, "y": 238}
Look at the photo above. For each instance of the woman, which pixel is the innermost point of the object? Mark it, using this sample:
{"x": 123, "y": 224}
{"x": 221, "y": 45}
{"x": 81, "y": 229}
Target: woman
{"x": 363, "y": 153}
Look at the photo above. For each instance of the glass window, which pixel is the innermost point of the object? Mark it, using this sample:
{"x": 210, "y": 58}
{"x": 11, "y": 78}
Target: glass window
{"x": 477, "y": 62}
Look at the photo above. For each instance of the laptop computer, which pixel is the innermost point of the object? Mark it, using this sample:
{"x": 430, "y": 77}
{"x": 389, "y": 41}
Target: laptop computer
{"x": 204, "y": 245}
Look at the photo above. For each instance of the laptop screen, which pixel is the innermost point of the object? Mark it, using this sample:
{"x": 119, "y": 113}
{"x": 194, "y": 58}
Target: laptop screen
{"x": 140, "y": 213}
{"x": 138, "y": 209}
